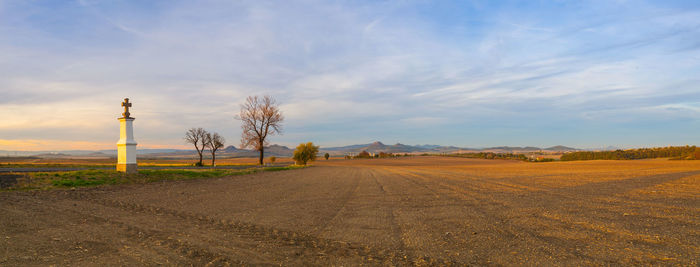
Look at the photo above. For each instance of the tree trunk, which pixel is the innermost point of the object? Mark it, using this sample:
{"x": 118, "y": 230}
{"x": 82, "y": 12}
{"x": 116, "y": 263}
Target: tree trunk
{"x": 200, "y": 158}
{"x": 213, "y": 159}
{"x": 261, "y": 156}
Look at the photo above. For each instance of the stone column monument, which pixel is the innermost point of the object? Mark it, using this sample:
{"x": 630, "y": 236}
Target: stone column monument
{"x": 126, "y": 146}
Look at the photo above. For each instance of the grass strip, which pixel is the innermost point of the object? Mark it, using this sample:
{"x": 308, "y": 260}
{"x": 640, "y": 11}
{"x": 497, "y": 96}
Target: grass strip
{"x": 71, "y": 165}
{"x": 82, "y": 178}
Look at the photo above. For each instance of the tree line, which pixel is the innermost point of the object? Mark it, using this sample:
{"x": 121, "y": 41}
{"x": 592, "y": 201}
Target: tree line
{"x": 260, "y": 118}
{"x": 678, "y": 152}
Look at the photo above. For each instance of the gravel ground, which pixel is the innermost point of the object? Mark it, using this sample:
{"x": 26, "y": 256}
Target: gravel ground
{"x": 435, "y": 211}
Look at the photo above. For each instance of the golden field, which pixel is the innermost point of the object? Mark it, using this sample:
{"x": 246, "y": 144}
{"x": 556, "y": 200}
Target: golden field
{"x": 397, "y": 211}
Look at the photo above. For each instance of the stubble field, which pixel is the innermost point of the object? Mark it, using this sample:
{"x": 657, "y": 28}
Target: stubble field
{"x": 405, "y": 211}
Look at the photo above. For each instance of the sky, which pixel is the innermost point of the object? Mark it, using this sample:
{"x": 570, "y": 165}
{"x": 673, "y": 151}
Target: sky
{"x": 585, "y": 74}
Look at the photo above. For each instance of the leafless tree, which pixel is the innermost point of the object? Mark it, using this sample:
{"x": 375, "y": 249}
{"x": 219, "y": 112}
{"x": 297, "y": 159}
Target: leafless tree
{"x": 215, "y": 141}
{"x": 199, "y": 138}
{"x": 260, "y": 117}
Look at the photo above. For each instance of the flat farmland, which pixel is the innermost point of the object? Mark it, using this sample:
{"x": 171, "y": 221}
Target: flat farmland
{"x": 403, "y": 211}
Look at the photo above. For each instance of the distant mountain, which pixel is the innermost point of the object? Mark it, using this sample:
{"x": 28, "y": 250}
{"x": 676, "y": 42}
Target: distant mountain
{"x": 426, "y": 146}
{"x": 378, "y": 146}
{"x": 345, "y": 148}
{"x": 272, "y": 150}
{"x": 230, "y": 149}
{"x": 278, "y": 150}
{"x": 514, "y": 148}
{"x": 283, "y": 151}
{"x": 561, "y": 148}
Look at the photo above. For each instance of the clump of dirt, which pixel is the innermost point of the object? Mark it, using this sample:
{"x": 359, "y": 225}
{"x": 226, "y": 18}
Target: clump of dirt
{"x": 8, "y": 180}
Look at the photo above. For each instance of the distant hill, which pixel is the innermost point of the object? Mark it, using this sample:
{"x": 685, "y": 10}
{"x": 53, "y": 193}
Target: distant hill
{"x": 378, "y": 146}
{"x": 514, "y": 148}
{"x": 283, "y": 151}
{"x": 561, "y": 148}
{"x": 230, "y": 149}
{"x": 272, "y": 150}
{"x": 278, "y": 150}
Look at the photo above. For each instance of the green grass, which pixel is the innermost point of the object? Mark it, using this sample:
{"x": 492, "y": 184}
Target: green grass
{"x": 49, "y": 180}
{"x": 54, "y": 165}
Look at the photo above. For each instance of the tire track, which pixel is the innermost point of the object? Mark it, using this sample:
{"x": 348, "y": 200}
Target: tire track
{"x": 396, "y": 230}
{"x": 313, "y": 247}
{"x": 504, "y": 225}
{"x": 148, "y": 238}
{"x": 344, "y": 202}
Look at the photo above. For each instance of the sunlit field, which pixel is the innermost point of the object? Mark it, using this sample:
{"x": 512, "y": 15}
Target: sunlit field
{"x": 397, "y": 211}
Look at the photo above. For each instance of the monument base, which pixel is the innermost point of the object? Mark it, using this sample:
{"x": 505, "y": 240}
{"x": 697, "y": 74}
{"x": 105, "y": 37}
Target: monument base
{"x": 127, "y": 168}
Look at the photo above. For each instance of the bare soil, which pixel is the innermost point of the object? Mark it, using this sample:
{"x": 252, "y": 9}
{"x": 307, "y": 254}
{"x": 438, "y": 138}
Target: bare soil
{"x": 408, "y": 211}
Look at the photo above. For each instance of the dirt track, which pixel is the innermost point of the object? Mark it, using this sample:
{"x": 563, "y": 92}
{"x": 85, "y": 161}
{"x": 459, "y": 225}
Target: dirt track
{"x": 398, "y": 211}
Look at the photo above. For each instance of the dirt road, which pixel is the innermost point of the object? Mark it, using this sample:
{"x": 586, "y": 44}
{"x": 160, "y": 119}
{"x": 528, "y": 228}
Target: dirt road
{"x": 396, "y": 211}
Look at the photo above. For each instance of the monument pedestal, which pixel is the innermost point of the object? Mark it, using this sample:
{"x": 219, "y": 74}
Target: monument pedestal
{"x": 126, "y": 146}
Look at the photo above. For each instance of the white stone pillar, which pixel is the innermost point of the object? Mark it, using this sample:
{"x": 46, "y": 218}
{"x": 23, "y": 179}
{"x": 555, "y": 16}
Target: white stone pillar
{"x": 126, "y": 146}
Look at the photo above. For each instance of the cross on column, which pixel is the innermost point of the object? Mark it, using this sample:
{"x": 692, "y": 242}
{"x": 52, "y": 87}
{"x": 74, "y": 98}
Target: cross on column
{"x": 126, "y": 106}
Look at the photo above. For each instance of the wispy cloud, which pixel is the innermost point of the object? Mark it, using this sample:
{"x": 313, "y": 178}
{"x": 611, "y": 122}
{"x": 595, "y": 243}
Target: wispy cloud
{"x": 348, "y": 69}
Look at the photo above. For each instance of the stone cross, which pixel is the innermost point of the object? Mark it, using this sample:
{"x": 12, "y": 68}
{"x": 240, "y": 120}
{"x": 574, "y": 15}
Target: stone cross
{"x": 126, "y": 146}
{"x": 126, "y": 106}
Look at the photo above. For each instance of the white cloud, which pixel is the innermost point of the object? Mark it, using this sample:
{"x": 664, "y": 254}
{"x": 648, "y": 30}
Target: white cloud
{"x": 192, "y": 64}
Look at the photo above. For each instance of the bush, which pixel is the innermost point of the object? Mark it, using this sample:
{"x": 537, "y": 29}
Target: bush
{"x": 327, "y": 156}
{"x": 272, "y": 159}
{"x": 305, "y": 153}
{"x": 363, "y": 155}
{"x": 542, "y": 159}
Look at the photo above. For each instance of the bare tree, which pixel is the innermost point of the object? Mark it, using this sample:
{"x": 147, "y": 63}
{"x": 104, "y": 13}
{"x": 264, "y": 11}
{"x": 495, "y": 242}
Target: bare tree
{"x": 199, "y": 138}
{"x": 261, "y": 117}
{"x": 215, "y": 141}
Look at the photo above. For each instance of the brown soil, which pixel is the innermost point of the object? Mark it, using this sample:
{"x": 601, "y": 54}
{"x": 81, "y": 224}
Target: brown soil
{"x": 404, "y": 211}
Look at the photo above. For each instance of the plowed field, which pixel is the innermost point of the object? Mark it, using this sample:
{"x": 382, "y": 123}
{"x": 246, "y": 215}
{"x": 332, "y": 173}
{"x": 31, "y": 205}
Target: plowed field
{"x": 406, "y": 211}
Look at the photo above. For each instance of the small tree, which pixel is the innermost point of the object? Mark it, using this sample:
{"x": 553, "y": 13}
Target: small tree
{"x": 214, "y": 142}
{"x": 326, "y": 156}
{"x": 272, "y": 159}
{"x": 305, "y": 153}
{"x": 260, "y": 117}
{"x": 199, "y": 138}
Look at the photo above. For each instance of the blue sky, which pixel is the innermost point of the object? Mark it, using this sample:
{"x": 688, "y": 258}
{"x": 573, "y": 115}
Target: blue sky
{"x": 466, "y": 73}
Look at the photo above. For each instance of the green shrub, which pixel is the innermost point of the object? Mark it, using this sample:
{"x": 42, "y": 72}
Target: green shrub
{"x": 305, "y": 153}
